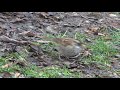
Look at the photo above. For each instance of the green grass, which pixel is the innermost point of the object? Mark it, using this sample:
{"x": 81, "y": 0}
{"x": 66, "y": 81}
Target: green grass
{"x": 116, "y": 38}
{"x": 31, "y": 71}
{"x": 102, "y": 50}
{"x": 49, "y": 72}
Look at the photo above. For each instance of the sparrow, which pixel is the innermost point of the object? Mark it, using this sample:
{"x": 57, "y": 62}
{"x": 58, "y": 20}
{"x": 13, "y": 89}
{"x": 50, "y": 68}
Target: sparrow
{"x": 68, "y": 47}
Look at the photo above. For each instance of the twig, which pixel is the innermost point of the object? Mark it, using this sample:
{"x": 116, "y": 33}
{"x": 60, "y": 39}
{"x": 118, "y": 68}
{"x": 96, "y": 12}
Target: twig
{"x": 6, "y": 39}
{"x": 67, "y": 25}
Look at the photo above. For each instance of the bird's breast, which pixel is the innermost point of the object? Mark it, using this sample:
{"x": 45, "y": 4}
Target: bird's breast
{"x": 70, "y": 50}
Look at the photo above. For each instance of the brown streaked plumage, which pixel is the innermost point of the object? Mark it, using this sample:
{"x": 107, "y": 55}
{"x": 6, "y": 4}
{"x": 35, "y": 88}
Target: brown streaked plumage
{"x": 68, "y": 47}
{"x": 65, "y": 41}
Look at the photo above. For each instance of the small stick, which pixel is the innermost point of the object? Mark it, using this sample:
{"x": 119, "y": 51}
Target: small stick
{"x": 6, "y": 39}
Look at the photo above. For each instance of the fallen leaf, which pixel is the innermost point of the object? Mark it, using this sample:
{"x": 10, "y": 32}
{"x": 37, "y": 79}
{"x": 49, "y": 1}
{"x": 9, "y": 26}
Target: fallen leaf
{"x": 88, "y": 31}
{"x": 88, "y": 40}
{"x": 94, "y": 29}
{"x": 112, "y": 15}
{"x": 100, "y": 34}
{"x": 21, "y": 76}
{"x": 75, "y": 14}
{"x": 7, "y": 65}
{"x": 17, "y": 20}
{"x": 43, "y": 14}
{"x": 87, "y": 53}
{"x": 17, "y": 74}
{"x": 6, "y": 75}
{"x": 114, "y": 59}
{"x": 41, "y": 41}
{"x": 87, "y": 21}
{"x": 28, "y": 33}
{"x": 108, "y": 38}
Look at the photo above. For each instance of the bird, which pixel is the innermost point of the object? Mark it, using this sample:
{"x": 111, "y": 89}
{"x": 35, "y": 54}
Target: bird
{"x": 68, "y": 47}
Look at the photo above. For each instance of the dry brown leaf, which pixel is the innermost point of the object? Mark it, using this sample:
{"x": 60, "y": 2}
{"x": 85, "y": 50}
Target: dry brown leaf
{"x": 17, "y": 20}
{"x": 88, "y": 31}
{"x": 17, "y": 74}
{"x": 41, "y": 41}
{"x": 112, "y": 15}
{"x": 28, "y": 33}
{"x": 108, "y": 38}
{"x": 6, "y": 75}
{"x": 75, "y": 14}
{"x": 21, "y": 76}
{"x": 7, "y": 65}
{"x": 114, "y": 59}
{"x": 100, "y": 34}
{"x": 88, "y": 40}
{"x": 87, "y": 53}
{"x": 43, "y": 14}
{"x": 94, "y": 29}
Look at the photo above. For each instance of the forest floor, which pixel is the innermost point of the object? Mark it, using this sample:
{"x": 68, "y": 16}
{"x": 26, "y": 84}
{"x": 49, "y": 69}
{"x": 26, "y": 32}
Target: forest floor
{"x": 98, "y": 31}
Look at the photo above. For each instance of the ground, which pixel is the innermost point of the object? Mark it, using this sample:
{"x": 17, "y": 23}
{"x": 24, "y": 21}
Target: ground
{"x": 24, "y": 54}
